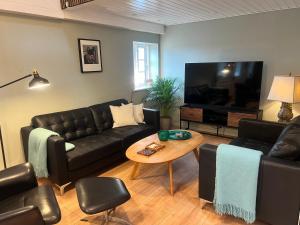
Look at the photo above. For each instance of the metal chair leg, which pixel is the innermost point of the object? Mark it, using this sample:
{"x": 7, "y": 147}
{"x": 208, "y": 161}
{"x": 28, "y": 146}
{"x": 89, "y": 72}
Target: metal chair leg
{"x": 106, "y": 217}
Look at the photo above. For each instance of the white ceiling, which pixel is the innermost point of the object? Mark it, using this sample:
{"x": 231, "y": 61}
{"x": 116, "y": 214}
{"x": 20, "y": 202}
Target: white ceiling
{"x": 145, "y": 15}
{"x": 171, "y": 12}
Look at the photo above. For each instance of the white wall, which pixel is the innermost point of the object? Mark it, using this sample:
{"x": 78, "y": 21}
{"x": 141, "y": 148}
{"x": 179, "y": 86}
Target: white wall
{"x": 51, "y": 47}
{"x": 272, "y": 37}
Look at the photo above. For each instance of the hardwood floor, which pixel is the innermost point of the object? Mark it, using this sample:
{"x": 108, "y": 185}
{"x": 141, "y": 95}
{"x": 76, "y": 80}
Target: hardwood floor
{"x": 151, "y": 202}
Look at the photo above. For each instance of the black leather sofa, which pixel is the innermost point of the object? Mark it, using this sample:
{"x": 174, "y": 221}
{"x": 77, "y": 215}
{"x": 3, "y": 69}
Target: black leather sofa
{"x": 22, "y": 201}
{"x": 98, "y": 145}
{"x": 278, "y": 193}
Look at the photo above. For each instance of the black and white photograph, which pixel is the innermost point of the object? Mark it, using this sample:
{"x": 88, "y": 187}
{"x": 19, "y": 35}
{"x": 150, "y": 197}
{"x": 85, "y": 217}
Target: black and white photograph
{"x": 90, "y": 55}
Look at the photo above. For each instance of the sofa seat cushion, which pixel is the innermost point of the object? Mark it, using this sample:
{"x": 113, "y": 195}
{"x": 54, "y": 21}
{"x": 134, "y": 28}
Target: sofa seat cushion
{"x": 92, "y": 148}
{"x": 130, "y": 134}
{"x": 42, "y": 197}
{"x": 265, "y": 147}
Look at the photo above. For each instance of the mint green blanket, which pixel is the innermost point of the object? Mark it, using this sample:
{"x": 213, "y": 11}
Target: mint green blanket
{"x": 37, "y": 150}
{"x": 236, "y": 181}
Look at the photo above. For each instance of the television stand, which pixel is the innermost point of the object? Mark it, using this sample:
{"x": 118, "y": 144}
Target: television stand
{"x": 217, "y": 116}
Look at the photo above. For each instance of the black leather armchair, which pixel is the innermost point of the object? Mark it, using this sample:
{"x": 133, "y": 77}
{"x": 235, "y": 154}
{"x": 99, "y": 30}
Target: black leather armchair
{"x": 21, "y": 199}
{"x": 278, "y": 193}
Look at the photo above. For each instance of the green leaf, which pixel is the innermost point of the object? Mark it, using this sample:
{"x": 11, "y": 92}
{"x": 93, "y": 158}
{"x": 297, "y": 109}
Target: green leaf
{"x": 163, "y": 95}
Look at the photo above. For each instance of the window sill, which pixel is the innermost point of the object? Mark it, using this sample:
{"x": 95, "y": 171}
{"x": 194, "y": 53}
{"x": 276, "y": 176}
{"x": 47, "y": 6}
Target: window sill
{"x": 141, "y": 89}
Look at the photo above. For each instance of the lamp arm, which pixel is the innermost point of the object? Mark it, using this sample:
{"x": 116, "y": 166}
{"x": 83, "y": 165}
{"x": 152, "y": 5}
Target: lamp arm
{"x": 12, "y": 82}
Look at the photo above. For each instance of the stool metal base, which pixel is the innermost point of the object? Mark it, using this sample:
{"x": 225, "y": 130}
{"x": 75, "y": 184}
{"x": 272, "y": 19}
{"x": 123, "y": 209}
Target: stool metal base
{"x": 107, "y": 218}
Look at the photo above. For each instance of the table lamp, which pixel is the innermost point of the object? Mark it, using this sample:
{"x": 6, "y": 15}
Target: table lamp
{"x": 287, "y": 90}
{"x": 36, "y": 82}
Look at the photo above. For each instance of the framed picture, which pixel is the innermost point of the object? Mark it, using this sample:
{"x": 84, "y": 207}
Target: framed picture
{"x": 90, "y": 55}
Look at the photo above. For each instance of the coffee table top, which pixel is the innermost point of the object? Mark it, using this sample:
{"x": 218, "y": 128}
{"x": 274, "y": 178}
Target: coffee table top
{"x": 173, "y": 149}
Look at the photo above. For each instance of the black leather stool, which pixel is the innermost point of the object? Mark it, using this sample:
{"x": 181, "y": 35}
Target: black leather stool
{"x": 102, "y": 194}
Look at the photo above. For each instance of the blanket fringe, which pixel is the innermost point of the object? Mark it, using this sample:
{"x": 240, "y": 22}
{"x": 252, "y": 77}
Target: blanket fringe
{"x": 229, "y": 209}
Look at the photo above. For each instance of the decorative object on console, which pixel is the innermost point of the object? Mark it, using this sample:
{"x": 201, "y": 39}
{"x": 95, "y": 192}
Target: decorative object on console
{"x": 90, "y": 55}
{"x": 287, "y": 90}
{"x": 36, "y": 82}
{"x": 71, "y": 3}
{"x": 163, "y": 94}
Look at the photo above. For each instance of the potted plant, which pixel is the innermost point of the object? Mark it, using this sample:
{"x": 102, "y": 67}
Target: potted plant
{"x": 163, "y": 95}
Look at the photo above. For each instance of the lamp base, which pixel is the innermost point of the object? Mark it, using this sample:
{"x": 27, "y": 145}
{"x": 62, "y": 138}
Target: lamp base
{"x": 286, "y": 113}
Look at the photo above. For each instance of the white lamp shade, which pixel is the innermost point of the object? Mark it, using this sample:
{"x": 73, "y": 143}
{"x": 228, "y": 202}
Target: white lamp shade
{"x": 285, "y": 89}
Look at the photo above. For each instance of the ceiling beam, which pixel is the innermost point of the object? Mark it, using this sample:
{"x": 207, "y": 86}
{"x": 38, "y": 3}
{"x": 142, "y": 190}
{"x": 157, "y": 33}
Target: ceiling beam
{"x": 71, "y": 3}
{"x": 44, "y": 8}
{"x": 52, "y": 9}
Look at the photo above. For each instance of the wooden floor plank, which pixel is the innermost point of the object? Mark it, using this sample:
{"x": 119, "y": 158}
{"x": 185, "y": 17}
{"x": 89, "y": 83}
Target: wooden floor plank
{"x": 151, "y": 202}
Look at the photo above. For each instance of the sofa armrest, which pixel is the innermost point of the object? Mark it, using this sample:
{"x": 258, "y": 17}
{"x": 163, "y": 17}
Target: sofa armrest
{"x": 152, "y": 117}
{"x": 29, "y": 215}
{"x": 25, "y": 132}
{"x": 260, "y": 130}
{"x": 16, "y": 179}
{"x": 207, "y": 171}
{"x": 57, "y": 160}
{"x": 279, "y": 195}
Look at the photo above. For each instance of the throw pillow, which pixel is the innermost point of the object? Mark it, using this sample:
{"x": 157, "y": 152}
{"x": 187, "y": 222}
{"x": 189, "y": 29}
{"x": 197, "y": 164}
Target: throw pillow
{"x": 69, "y": 146}
{"x": 122, "y": 115}
{"x": 287, "y": 145}
{"x": 138, "y": 112}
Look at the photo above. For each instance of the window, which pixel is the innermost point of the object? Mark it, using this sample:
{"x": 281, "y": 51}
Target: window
{"x": 146, "y": 64}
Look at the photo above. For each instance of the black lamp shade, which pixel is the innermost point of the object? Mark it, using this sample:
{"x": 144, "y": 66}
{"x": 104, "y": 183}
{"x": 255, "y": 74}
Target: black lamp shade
{"x": 37, "y": 81}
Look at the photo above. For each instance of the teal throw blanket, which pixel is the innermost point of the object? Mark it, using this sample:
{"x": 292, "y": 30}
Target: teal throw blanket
{"x": 37, "y": 150}
{"x": 236, "y": 181}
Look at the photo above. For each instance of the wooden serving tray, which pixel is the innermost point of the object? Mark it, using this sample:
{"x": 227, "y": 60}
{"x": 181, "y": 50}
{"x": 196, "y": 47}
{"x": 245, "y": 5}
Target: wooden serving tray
{"x": 154, "y": 146}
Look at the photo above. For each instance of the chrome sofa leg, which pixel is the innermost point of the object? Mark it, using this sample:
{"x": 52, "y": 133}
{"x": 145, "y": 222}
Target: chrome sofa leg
{"x": 203, "y": 203}
{"x": 62, "y": 188}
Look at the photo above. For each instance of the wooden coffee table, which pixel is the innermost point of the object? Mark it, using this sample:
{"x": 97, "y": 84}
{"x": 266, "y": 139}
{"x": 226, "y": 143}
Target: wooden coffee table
{"x": 173, "y": 150}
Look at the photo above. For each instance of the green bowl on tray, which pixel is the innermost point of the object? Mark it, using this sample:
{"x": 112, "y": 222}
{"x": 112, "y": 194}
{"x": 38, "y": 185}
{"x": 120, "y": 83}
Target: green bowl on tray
{"x": 179, "y": 135}
{"x": 163, "y": 135}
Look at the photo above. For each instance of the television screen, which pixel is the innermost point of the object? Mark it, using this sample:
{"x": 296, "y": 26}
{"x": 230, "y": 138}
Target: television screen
{"x": 226, "y": 84}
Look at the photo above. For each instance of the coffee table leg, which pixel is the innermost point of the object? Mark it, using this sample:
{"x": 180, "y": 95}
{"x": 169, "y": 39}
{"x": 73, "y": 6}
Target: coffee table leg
{"x": 171, "y": 177}
{"x": 134, "y": 170}
{"x": 196, "y": 154}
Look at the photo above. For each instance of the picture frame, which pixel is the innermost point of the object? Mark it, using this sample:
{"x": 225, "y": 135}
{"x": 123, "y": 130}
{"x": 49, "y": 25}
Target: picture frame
{"x": 90, "y": 55}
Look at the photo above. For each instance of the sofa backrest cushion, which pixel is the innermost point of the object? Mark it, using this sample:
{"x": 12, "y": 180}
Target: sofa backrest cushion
{"x": 287, "y": 145}
{"x": 71, "y": 125}
{"x": 102, "y": 114}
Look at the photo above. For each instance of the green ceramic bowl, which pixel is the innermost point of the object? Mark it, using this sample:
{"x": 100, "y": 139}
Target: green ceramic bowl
{"x": 163, "y": 135}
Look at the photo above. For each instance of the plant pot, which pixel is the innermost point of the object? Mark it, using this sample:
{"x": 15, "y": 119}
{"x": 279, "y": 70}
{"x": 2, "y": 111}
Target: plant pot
{"x": 165, "y": 123}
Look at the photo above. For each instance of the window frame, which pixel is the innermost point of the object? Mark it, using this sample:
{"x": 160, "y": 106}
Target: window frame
{"x": 147, "y": 64}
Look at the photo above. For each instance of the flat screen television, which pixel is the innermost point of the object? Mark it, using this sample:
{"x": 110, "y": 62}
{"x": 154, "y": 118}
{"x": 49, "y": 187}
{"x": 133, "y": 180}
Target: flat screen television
{"x": 224, "y": 84}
